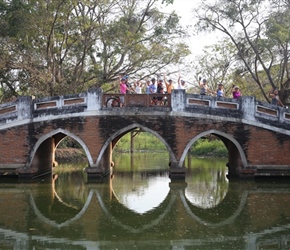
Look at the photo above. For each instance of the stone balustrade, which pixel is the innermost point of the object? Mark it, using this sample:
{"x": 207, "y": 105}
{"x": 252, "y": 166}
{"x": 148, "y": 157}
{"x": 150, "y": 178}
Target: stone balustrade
{"x": 178, "y": 103}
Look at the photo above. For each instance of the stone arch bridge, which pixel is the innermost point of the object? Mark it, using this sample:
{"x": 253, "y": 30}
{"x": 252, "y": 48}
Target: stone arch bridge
{"x": 256, "y": 134}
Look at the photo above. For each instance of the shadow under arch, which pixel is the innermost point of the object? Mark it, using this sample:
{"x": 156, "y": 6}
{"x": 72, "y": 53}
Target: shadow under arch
{"x": 127, "y": 129}
{"x": 58, "y": 135}
{"x": 237, "y": 157}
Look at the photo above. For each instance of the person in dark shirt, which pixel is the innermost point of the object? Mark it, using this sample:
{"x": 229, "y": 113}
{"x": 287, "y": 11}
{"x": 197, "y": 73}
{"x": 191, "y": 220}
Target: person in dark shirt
{"x": 275, "y": 100}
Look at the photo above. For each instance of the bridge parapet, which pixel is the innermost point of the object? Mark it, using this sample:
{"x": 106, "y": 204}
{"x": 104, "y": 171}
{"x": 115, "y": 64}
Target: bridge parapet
{"x": 15, "y": 111}
{"x": 178, "y": 103}
{"x": 245, "y": 108}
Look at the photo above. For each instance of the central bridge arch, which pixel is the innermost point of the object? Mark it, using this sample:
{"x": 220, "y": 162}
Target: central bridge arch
{"x": 115, "y": 137}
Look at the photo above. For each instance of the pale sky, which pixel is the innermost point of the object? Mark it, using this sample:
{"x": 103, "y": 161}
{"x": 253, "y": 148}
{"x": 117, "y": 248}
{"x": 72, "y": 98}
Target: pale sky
{"x": 184, "y": 8}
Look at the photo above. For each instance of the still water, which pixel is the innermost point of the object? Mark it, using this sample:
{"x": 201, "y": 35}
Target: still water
{"x": 140, "y": 208}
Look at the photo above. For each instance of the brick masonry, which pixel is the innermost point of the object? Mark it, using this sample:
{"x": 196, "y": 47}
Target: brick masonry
{"x": 258, "y": 144}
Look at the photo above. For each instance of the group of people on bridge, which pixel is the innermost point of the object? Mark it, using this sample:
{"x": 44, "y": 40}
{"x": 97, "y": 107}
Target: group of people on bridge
{"x": 164, "y": 86}
{"x": 153, "y": 86}
{"x": 160, "y": 86}
{"x": 205, "y": 90}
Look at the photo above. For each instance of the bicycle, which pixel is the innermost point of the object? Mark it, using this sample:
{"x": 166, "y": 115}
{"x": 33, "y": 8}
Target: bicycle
{"x": 159, "y": 100}
{"x": 114, "y": 101}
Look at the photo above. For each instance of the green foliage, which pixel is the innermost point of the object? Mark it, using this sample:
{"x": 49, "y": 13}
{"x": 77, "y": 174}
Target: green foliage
{"x": 148, "y": 142}
{"x": 215, "y": 63}
{"x": 61, "y": 47}
{"x": 205, "y": 147}
{"x": 142, "y": 142}
{"x": 259, "y": 32}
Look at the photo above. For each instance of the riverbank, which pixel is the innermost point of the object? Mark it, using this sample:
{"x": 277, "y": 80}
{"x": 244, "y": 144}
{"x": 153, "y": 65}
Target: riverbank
{"x": 204, "y": 148}
{"x": 69, "y": 155}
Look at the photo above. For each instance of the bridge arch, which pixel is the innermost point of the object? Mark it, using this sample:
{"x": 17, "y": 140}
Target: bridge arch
{"x": 57, "y": 135}
{"x": 117, "y": 135}
{"x": 237, "y": 157}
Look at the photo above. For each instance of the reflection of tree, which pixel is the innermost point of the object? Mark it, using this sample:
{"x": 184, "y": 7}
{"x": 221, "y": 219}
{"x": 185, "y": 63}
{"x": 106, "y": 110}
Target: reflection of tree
{"x": 142, "y": 161}
{"x": 207, "y": 183}
{"x": 70, "y": 186}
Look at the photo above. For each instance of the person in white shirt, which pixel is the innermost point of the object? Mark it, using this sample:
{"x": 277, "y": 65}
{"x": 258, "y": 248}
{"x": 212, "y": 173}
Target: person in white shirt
{"x": 138, "y": 87}
{"x": 181, "y": 83}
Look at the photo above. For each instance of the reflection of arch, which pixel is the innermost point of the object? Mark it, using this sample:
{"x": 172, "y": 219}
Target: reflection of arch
{"x": 148, "y": 224}
{"x": 129, "y": 128}
{"x": 106, "y": 211}
{"x": 62, "y": 201}
{"x": 54, "y": 133}
{"x": 223, "y": 136}
{"x": 66, "y": 223}
{"x": 218, "y": 224}
{"x": 152, "y": 219}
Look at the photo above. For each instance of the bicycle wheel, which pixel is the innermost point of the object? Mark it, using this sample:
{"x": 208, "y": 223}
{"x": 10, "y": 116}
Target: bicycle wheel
{"x": 113, "y": 102}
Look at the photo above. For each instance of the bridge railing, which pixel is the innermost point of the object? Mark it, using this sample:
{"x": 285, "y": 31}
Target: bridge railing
{"x": 8, "y": 112}
{"x": 244, "y": 108}
{"x": 136, "y": 100}
{"x": 179, "y": 103}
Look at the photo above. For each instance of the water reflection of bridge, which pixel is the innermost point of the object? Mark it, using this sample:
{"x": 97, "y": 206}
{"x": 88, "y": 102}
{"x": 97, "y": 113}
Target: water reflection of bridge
{"x": 39, "y": 208}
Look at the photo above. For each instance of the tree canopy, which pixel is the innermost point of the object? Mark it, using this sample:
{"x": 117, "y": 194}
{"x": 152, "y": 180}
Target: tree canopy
{"x": 259, "y": 32}
{"x": 66, "y": 46}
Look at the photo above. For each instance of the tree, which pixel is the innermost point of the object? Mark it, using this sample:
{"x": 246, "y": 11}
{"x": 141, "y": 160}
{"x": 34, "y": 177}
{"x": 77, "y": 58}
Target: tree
{"x": 67, "y": 46}
{"x": 216, "y": 64}
{"x": 259, "y": 31}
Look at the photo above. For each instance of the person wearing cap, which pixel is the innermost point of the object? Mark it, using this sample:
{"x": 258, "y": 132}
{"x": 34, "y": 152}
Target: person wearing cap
{"x": 236, "y": 92}
{"x": 123, "y": 86}
{"x": 129, "y": 86}
{"x": 220, "y": 90}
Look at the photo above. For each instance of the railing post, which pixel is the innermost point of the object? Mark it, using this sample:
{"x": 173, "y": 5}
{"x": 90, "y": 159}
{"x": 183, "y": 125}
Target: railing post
{"x": 248, "y": 107}
{"x": 178, "y": 100}
{"x": 281, "y": 112}
{"x": 24, "y": 107}
{"x": 94, "y": 99}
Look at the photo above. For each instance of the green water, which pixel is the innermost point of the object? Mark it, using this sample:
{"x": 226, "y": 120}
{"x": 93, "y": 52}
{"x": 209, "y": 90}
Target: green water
{"x": 140, "y": 208}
